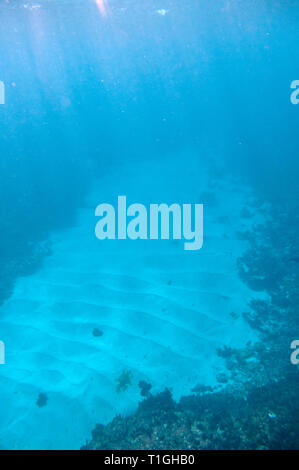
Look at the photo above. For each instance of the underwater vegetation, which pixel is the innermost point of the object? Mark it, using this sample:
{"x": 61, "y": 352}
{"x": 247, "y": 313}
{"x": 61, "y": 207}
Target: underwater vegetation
{"x": 269, "y": 265}
{"x": 20, "y": 263}
{"x": 234, "y": 315}
{"x": 266, "y": 418}
{"x": 259, "y": 408}
{"x": 145, "y": 388}
{"x": 202, "y": 388}
{"x": 83, "y": 99}
{"x": 123, "y": 381}
{"x": 97, "y": 332}
{"x": 42, "y": 400}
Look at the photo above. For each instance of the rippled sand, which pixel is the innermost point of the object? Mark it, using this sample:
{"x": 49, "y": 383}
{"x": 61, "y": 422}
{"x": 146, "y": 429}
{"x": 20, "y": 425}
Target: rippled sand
{"x": 162, "y": 312}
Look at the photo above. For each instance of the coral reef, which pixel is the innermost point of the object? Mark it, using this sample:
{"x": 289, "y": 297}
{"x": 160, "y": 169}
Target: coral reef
{"x": 258, "y": 408}
{"x": 145, "y": 388}
{"x": 269, "y": 266}
{"x": 21, "y": 263}
{"x": 265, "y": 418}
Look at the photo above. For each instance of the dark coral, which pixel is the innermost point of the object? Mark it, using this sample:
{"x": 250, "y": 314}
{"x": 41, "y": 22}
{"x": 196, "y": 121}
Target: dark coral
{"x": 145, "y": 388}
{"x": 265, "y": 418}
{"x": 97, "y": 332}
{"x": 261, "y": 409}
{"x": 42, "y": 400}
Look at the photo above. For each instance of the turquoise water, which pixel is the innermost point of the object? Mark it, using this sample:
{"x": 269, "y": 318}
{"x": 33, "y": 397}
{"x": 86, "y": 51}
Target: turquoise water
{"x": 164, "y": 102}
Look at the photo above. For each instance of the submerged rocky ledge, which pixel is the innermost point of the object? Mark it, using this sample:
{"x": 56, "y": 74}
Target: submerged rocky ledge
{"x": 265, "y": 418}
{"x": 261, "y": 410}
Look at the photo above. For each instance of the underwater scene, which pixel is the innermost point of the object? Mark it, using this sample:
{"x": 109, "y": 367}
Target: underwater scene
{"x": 149, "y": 249}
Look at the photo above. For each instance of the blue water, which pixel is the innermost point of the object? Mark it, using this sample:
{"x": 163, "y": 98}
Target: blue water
{"x": 164, "y": 102}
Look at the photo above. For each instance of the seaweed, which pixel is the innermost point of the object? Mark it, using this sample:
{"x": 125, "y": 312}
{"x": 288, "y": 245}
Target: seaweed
{"x": 97, "y": 332}
{"x": 123, "y": 381}
{"x": 145, "y": 388}
{"x": 42, "y": 400}
{"x": 263, "y": 419}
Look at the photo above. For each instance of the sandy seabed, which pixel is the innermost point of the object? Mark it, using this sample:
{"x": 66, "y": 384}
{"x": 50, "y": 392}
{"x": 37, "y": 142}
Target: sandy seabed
{"x": 97, "y": 309}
